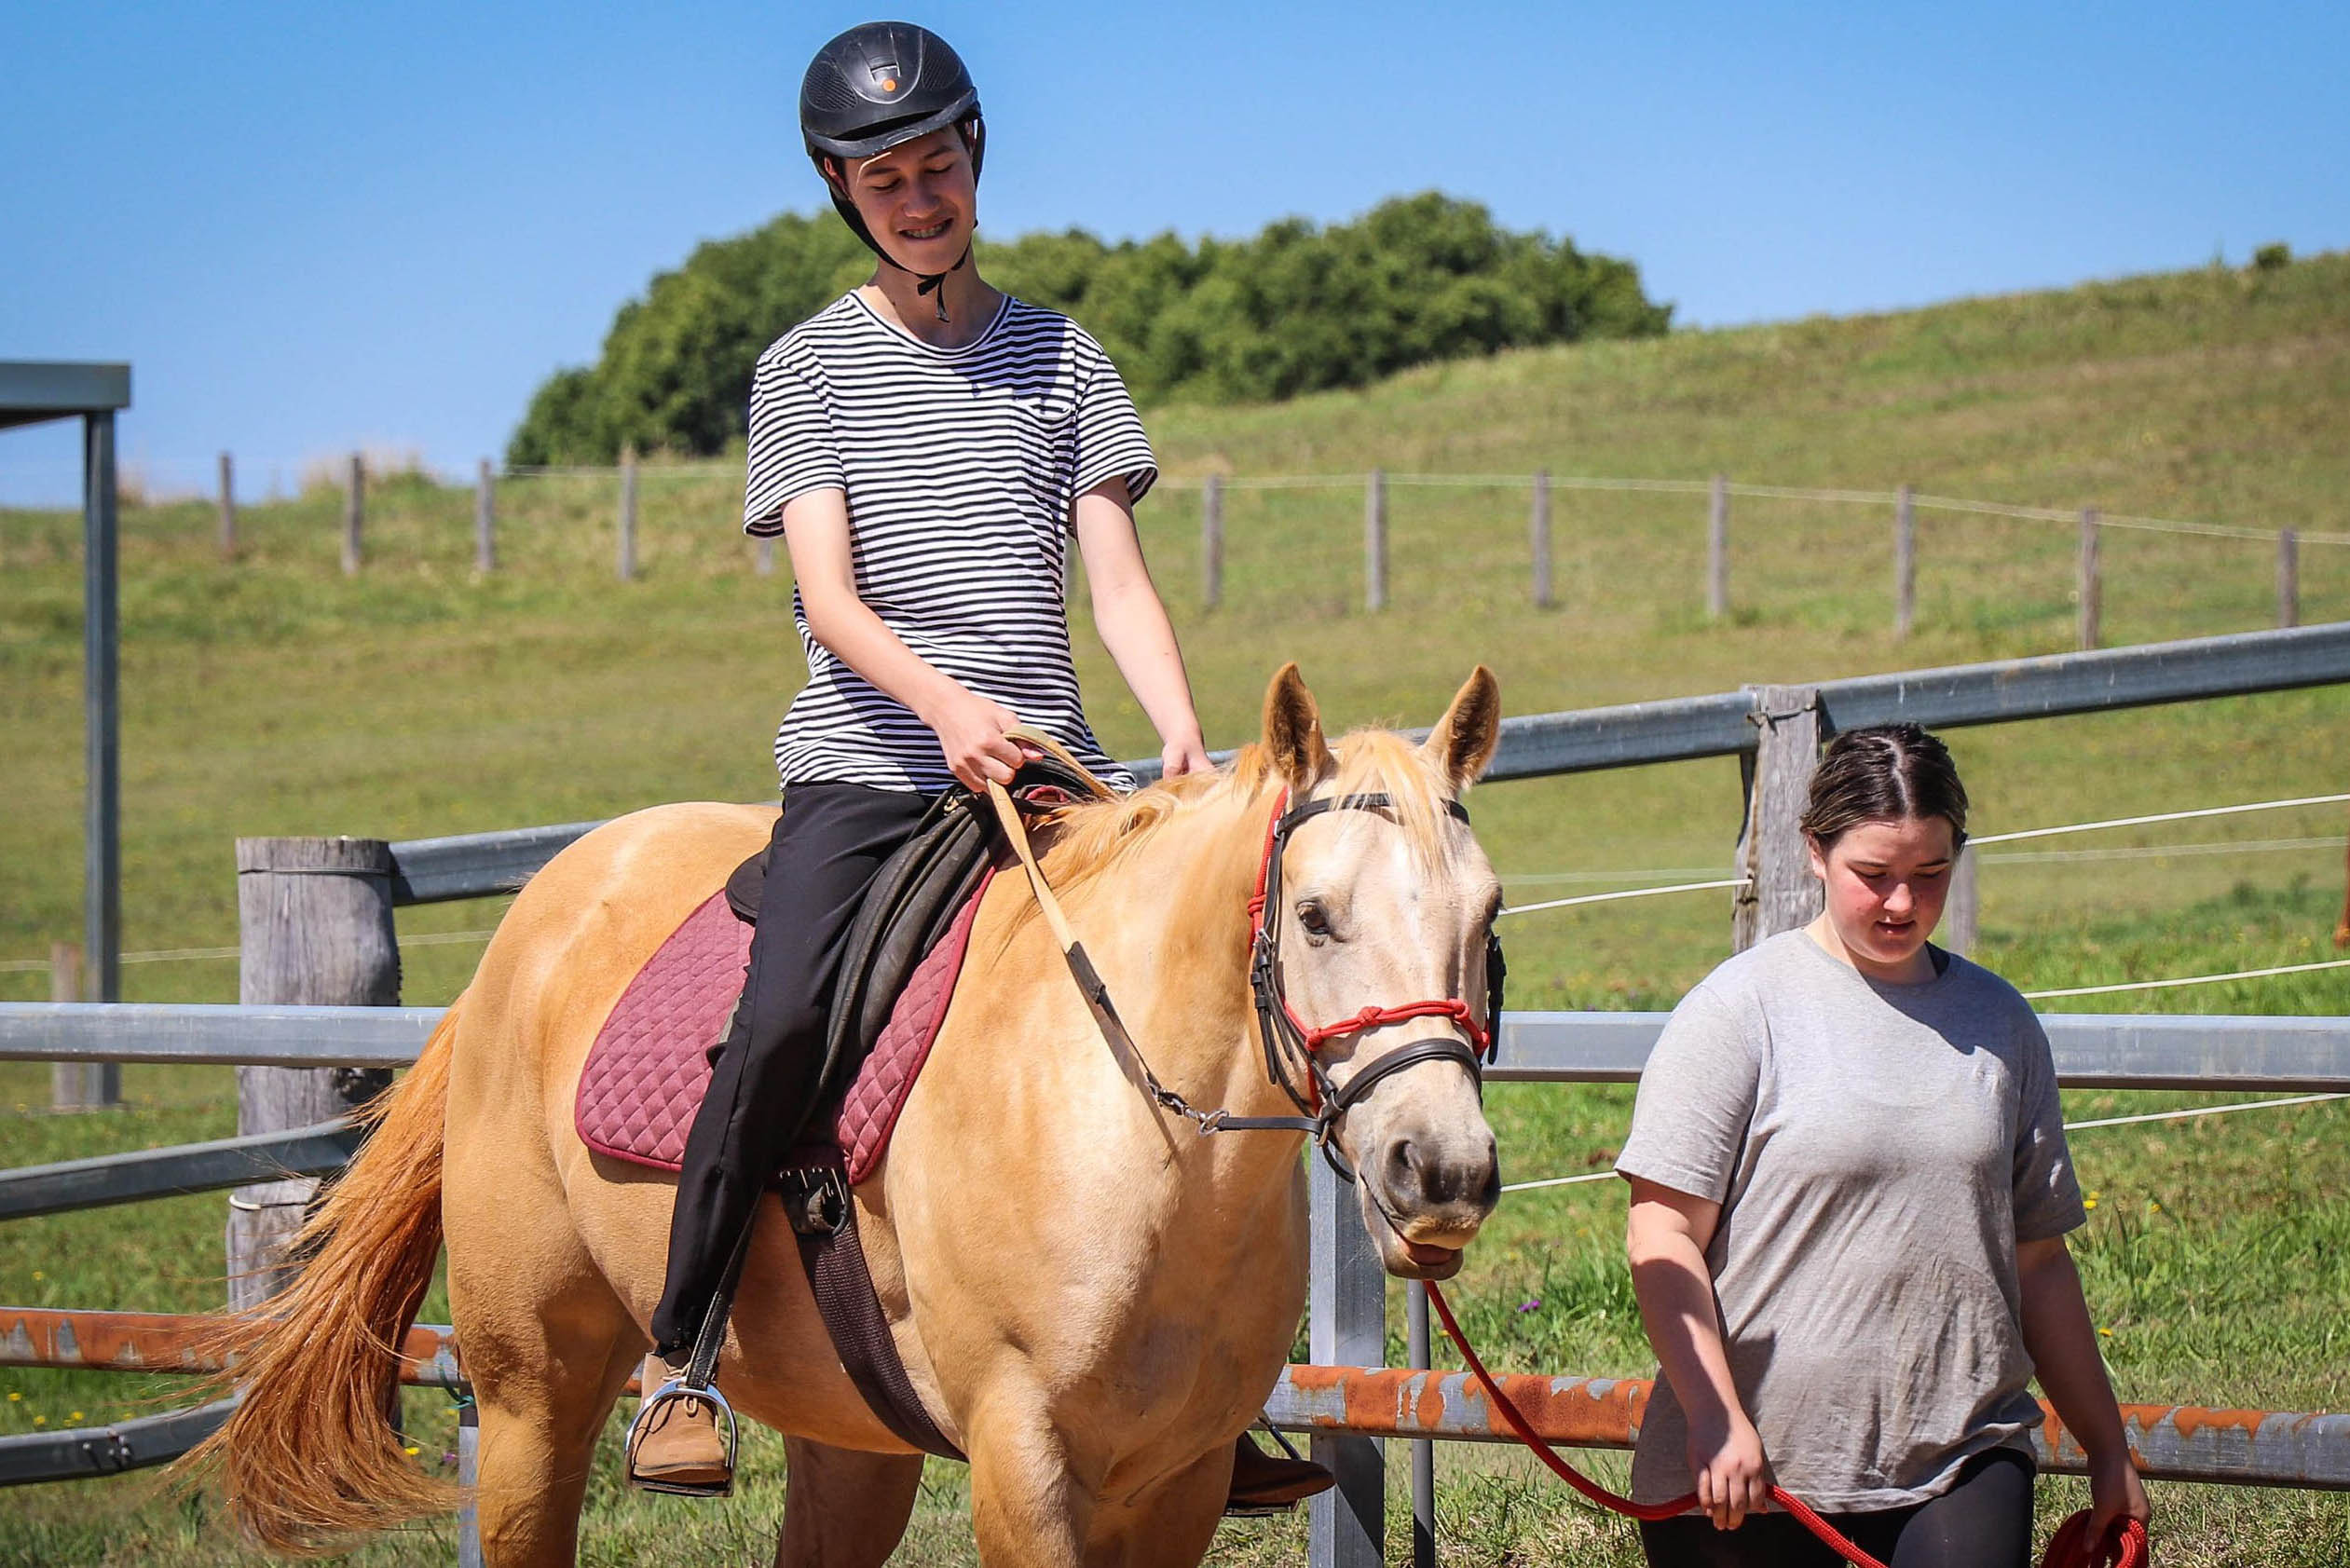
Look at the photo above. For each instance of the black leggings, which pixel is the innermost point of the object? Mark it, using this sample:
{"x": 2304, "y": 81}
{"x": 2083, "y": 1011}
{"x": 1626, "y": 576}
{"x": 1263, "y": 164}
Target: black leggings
{"x": 829, "y": 846}
{"x": 1983, "y": 1522}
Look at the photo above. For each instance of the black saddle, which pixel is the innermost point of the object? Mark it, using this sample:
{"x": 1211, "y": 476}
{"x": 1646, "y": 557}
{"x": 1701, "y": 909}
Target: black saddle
{"x": 913, "y": 900}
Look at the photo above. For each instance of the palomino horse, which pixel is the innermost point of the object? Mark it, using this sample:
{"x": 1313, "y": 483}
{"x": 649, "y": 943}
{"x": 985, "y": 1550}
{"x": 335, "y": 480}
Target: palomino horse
{"x": 1092, "y": 1298}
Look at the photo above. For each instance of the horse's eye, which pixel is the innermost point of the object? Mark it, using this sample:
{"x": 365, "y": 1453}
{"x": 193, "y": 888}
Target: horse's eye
{"x": 1311, "y": 917}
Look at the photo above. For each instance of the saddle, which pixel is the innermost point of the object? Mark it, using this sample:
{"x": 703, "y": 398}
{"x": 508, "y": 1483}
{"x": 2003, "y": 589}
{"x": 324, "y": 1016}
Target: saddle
{"x": 915, "y": 900}
{"x": 646, "y": 1075}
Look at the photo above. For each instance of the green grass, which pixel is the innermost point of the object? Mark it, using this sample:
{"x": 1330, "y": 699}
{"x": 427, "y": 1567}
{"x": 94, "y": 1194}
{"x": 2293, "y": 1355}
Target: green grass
{"x": 274, "y": 696}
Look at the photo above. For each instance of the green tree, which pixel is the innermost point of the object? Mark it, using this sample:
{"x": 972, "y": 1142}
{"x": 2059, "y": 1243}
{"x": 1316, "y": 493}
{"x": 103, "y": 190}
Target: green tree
{"x": 1296, "y": 309}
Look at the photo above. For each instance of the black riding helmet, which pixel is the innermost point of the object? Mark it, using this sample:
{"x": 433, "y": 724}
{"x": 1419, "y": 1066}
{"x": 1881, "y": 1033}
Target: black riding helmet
{"x": 876, "y": 87}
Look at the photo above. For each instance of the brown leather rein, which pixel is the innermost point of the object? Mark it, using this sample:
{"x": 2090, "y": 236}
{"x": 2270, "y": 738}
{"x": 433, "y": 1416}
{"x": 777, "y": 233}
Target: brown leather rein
{"x": 1287, "y": 1041}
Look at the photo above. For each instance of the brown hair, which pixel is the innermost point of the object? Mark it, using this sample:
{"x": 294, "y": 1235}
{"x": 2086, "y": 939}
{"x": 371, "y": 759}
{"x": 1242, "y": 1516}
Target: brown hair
{"x": 1884, "y": 774}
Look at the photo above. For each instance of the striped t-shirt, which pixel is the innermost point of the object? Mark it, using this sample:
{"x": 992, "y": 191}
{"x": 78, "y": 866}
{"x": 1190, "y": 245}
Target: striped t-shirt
{"x": 961, "y": 466}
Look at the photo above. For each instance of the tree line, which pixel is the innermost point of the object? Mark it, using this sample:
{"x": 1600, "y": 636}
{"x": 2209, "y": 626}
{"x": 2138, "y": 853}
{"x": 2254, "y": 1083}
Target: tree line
{"x": 1297, "y": 308}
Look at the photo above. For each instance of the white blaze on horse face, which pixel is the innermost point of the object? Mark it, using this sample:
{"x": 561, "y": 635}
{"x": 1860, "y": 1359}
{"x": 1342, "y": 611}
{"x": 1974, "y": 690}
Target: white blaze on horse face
{"x": 1371, "y": 922}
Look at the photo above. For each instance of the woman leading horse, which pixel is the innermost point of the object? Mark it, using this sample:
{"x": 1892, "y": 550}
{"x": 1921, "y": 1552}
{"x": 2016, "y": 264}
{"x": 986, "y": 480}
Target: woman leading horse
{"x": 1092, "y": 1298}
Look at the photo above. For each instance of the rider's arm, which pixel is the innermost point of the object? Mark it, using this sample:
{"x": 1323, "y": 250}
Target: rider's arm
{"x": 970, "y": 727}
{"x": 1666, "y": 1237}
{"x": 2064, "y": 1351}
{"x": 1132, "y": 621}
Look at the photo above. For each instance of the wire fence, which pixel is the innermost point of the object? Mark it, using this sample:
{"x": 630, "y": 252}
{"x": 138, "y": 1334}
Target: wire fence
{"x": 669, "y": 516}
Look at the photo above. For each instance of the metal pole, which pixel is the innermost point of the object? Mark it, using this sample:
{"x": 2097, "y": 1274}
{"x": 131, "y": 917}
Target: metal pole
{"x": 2088, "y": 588}
{"x": 1423, "y": 1451}
{"x": 314, "y": 918}
{"x": 101, "y": 709}
{"x": 1374, "y": 541}
{"x": 485, "y": 520}
{"x": 354, "y": 513}
{"x": 469, "y": 1477}
{"x": 1540, "y": 525}
{"x": 1905, "y": 565}
{"x": 227, "y": 508}
{"x": 1347, "y": 1310}
{"x": 764, "y": 562}
{"x": 1718, "y": 550}
{"x": 2289, "y": 578}
{"x": 1211, "y": 541}
{"x": 628, "y": 515}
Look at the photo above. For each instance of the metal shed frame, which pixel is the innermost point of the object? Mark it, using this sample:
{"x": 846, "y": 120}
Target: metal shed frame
{"x": 33, "y": 392}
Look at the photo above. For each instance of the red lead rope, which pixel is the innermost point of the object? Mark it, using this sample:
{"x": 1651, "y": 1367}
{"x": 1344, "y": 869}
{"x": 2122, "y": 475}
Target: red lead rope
{"x": 2123, "y": 1547}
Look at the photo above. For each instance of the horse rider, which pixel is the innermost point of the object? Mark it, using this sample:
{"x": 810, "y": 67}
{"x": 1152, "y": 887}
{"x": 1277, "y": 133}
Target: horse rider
{"x": 927, "y": 448}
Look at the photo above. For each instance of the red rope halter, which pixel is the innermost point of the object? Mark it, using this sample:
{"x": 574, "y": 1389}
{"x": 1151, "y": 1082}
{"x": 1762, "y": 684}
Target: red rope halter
{"x": 2124, "y": 1544}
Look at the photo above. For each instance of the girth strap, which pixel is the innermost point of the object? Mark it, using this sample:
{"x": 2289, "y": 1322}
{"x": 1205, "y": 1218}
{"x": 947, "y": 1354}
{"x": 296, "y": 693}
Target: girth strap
{"x": 824, "y": 1220}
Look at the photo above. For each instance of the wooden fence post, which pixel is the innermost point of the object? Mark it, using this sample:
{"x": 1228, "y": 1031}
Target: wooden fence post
{"x": 1540, "y": 525}
{"x": 1962, "y": 910}
{"x": 1718, "y": 550}
{"x": 2289, "y": 578}
{"x": 314, "y": 920}
{"x": 227, "y": 508}
{"x": 1374, "y": 541}
{"x": 485, "y": 520}
{"x": 77, "y": 1086}
{"x": 1211, "y": 541}
{"x": 354, "y": 514}
{"x": 1780, "y": 893}
{"x": 628, "y": 515}
{"x": 1905, "y": 565}
{"x": 2089, "y": 588}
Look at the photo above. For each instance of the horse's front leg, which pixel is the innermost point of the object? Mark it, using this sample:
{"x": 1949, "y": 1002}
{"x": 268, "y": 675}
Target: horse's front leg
{"x": 1168, "y": 1525}
{"x": 1032, "y": 1490}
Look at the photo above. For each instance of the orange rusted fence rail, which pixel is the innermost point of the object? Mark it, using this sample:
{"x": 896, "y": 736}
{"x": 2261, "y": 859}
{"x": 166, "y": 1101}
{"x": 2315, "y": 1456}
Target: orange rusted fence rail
{"x": 2171, "y": 1442}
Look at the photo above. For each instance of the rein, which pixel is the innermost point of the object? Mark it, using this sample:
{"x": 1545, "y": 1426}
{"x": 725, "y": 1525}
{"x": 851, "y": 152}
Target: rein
{"x": 2124, "y": 1545}
{"x": 1285, "y": 1036}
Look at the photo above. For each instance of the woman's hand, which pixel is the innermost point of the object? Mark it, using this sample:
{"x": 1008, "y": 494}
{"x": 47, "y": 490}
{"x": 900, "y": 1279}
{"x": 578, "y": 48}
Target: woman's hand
{"x": 1733, "y": 1474}
{"x": 1184, "y": 754}
{"x": 970, "y": 731}
{"x": 2115, "y": 1493}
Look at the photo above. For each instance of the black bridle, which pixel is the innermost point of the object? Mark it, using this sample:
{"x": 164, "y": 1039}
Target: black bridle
{"x": 1290, "y": 1044}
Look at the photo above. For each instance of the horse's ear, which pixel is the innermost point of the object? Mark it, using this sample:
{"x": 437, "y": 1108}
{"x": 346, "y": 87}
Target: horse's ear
{"x": 1294, "y": 730}
{"x": 1463, "y": 741}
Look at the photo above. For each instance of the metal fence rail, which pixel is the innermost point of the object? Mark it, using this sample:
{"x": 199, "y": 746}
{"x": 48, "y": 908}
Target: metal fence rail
{"x": 2093, "y": 1050}
{"x": 1537, "y": 746}
{"x": 172, "y": 1172}
{"x": 2172, "y": 1442}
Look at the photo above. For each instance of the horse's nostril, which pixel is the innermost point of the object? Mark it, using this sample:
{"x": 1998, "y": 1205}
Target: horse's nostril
{"x": 1404, "y": 1171}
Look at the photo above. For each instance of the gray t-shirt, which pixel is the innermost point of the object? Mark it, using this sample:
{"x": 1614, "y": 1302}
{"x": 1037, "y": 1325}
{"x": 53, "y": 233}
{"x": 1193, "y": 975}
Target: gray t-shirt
{"x": 1877, "y": 1151}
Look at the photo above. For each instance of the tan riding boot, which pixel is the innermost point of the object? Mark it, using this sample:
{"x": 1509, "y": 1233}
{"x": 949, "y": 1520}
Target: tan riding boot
{"x": 1264, "y": 1483}
{"x": 682, "y": 1440}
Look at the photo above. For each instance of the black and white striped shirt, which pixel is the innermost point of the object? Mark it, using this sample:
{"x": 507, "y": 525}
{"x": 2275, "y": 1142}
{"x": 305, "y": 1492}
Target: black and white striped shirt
{"x": 961, "y": 467}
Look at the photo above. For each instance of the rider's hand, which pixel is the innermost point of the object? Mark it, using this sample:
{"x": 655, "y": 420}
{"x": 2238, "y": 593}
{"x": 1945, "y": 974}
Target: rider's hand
{"x": 1733, "y": 1476}
{"x": 2115, "y": 1493}
{"x": 1184, "y": 754}
{"x": 970, "y": 731}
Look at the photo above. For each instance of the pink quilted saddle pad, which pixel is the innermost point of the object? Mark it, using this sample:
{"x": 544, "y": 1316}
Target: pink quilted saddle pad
{"x": 650, "y": 1067}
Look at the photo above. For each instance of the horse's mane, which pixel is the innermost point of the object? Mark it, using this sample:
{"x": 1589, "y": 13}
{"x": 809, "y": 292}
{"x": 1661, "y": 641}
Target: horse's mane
{"x": 1091, "y": 837}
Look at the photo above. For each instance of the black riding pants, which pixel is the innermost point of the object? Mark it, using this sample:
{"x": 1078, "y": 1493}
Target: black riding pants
{"x": 1983, "y": 1522}
{"x": 829, "y": 843}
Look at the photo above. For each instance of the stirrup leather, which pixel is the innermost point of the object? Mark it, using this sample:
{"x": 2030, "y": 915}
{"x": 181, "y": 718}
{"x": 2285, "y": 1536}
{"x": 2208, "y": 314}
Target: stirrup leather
{"x": 679, "y": 1388}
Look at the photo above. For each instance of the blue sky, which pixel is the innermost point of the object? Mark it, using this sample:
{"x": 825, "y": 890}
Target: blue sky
{"x": 315, "y": 227}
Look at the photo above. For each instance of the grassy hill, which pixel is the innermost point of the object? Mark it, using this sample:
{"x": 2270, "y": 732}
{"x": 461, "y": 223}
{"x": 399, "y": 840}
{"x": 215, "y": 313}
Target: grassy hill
{"x": 272, "y": 695}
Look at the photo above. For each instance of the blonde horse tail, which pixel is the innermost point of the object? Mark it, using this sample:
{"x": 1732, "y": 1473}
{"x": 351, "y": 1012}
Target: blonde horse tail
{"x": 310, "y": 1458}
